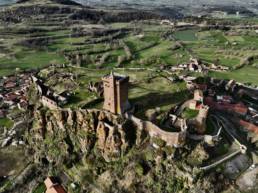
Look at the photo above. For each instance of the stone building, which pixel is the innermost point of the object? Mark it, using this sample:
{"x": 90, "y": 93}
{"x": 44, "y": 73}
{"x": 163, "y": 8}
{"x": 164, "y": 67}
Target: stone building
{"x": 198, "y": 95}
{"x": 197, "y": 101}
{"x": 116, "y": 93}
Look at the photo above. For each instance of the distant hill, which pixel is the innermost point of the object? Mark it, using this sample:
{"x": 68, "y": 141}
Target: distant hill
{"x": 151, "y": 2}
{"x": 168, "y": 2}
{"x": 63, "y": 2}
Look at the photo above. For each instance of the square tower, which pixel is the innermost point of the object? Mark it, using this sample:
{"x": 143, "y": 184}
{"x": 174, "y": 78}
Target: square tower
{"x": 116, "y": 93}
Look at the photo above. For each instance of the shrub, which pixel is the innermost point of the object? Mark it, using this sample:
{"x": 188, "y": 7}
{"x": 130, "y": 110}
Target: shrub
{"x": 158, "y": 141}
{"x": 139, "y": 169}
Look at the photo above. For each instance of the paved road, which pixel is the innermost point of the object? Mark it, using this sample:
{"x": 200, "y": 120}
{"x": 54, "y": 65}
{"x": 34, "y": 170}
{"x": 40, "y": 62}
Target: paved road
{"x": 226, "y": 127}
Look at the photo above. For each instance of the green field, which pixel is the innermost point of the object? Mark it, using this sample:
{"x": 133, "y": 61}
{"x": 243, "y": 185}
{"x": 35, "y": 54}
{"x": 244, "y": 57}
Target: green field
{"x": 29, "y": 60}
{"x": 148, "y": 48}
{"x": 247, "y": 74}
{"x": 186, "y": 35}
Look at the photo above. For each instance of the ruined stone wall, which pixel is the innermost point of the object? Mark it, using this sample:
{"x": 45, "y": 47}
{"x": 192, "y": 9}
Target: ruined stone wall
{"x": 49, "y": 103}
{"x": 200, "y": 121}
{"x": 175, "y": 139}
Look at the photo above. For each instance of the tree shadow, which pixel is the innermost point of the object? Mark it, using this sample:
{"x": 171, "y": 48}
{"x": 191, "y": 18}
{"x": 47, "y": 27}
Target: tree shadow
{"x": 154, "y": 99}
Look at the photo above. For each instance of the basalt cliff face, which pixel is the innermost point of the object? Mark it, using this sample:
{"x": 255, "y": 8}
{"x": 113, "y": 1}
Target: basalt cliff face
{"x": 57, "y": 134}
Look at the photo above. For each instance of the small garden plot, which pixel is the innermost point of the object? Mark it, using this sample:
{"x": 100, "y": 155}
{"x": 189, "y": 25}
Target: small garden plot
{"x": 205, "y": 35}
{"x": 233, "y": 39}
{"x": 186, "y": 35}
{"x": 219, "y": 37}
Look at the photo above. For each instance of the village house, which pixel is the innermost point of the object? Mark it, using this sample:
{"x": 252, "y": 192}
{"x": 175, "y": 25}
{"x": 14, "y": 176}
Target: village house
{"x": 249, "y": 126}
{"x": 218, "y": 68}
{"x": 197, "y": 101}
{"x": 194, "y": 65}
{"x": 14, "y": 89}
{"x": 224, "y": 98}
{"x": 53, "y": 186}
{"x": 198, "y": 95}
{"x": 167, "y": 22}
{"x": 10, "y": 85}
{"x": 238, "y": 108}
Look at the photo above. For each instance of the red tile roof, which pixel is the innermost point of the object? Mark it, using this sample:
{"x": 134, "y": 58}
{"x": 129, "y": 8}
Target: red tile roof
{"x": 249, "y": 126}
{"x": 239, "y": 108}
{"x": 53, "y": 187}
{"x": 10, "y": 85}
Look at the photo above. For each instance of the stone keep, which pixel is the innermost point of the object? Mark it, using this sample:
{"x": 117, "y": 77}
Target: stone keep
{"x": 116, "y": 93}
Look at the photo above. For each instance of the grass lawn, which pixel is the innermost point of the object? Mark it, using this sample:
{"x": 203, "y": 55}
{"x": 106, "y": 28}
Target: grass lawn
{"x": 189, "y": 113}
{"x": 247, "y": 74}
{"x": 81, "y": 97}
{"x": 29, "y": 60}
{"x": 5, "y": 122}
{"x": 157, "y": 93}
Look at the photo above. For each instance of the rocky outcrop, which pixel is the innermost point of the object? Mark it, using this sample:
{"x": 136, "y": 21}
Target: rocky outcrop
{"x": 58, "y": 134}
{"x": 114, "y": 153}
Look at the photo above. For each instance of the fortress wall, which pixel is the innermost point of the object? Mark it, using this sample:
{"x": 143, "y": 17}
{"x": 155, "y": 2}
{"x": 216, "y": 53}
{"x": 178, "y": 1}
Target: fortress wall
{"x": 175, "y": 139}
